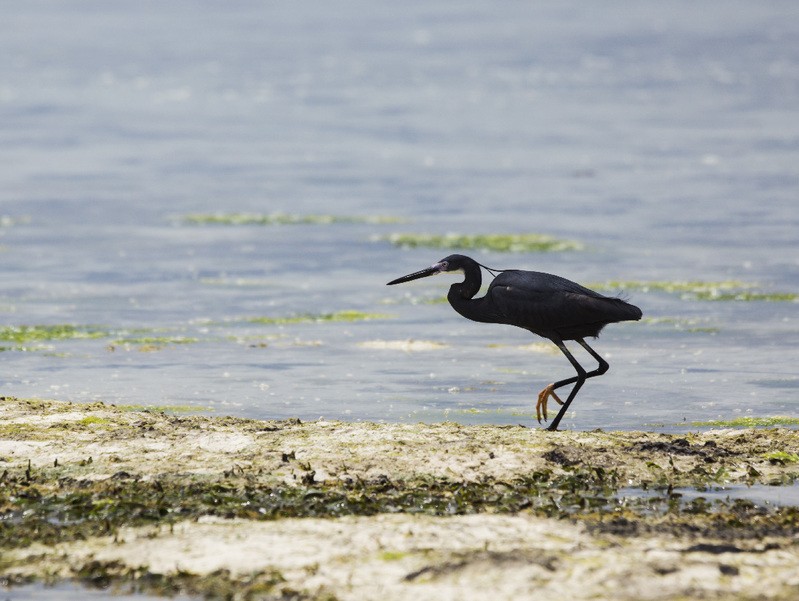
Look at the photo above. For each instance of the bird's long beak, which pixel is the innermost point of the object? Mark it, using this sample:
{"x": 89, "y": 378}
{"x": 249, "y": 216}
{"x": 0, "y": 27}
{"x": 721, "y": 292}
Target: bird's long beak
{"x": 432, "y": 270}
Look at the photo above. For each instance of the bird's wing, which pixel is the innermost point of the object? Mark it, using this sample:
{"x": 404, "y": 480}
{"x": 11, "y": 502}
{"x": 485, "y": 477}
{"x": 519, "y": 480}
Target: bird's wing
{"x": 547, "y": 304}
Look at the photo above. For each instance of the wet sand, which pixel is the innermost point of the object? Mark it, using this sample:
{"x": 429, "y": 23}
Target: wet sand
{"x": 144, "y": 500}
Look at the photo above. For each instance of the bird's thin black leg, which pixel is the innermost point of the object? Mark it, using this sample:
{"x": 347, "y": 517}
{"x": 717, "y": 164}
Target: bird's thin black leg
{"x": 579, "y": 379}
{"x": 601, "y": 369}
{"x": 549, "y": 391}
{"x": 603, "y": 365}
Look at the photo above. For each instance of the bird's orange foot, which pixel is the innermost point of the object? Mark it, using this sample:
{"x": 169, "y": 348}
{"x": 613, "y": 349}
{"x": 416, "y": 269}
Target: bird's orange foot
{"x": 543, "y": 397}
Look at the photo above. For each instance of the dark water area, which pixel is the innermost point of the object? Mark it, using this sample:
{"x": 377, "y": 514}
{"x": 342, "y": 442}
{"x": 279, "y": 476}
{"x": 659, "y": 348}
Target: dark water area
{"x": 662, "y": 139}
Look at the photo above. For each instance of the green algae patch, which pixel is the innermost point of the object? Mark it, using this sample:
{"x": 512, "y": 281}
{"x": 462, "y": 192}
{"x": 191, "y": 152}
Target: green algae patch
{"x": 42, "y": 337}
{"x": 157, "y": 340}
{"x": 510, "y": 243}
{"x": 782, "y": 457}
{"x": 25, "y": 334}
{"x": 693, "y": 287}
{"x": 726, "y": 290}
{"x": 749, "y": 422}
{"x": 392, "y": 555}
{"x": 92, "y": 420}
{"x": 266, "y": 219}
{"x": 25, "y": 337}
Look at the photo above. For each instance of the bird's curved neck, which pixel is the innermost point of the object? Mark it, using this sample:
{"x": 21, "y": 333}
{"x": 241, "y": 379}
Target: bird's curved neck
{"x": 470, "y": 285}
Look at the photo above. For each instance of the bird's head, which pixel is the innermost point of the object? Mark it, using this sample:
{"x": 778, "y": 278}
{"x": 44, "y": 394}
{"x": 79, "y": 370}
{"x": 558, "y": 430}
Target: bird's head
{"x": 450, "y": 263}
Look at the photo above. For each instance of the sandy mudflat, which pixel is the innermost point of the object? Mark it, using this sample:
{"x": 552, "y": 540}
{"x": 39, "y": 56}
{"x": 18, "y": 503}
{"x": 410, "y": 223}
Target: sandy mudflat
{"x": 331, "y": 510}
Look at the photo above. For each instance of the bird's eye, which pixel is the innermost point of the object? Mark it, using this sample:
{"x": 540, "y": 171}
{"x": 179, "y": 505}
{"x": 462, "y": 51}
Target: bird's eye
{"x": 444, "y": 265}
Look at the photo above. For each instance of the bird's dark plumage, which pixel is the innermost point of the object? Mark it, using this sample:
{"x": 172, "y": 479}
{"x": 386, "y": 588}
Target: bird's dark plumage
{"x": 545, "y": 304}
{"x": 549, "y": 305}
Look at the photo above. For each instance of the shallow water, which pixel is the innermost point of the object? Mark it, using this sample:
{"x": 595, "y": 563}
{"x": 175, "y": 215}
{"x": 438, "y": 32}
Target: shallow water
{"x": 759, "y": 494}
{"x": 664, "y": 140}
{"x": 71, "y": 592}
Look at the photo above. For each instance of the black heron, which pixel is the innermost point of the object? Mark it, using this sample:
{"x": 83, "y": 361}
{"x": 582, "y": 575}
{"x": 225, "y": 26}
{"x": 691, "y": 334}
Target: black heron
{"x": 545, "y": 304}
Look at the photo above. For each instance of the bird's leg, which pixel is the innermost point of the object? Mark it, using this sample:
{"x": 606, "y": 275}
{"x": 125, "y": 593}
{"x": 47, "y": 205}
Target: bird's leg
{"x": 549, "y": 391}
{"x": 541, "y": 406}
{"x": 603, "y": 365}
{"x": 579, "y": 379}
{"x": 543, "y": 397}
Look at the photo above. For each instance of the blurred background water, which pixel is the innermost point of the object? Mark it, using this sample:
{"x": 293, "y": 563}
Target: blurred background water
{"x": 663, "y": 138}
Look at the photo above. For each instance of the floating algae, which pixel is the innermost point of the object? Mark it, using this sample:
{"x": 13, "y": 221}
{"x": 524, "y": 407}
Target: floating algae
{"x": 727, "y": 290}
{"x": 144, "y": 338}
{"x": 148, "y": 339}
{"x": 29, "y": 337}
{"x": 37, "y": 333}
{"x": 494, "y": 242}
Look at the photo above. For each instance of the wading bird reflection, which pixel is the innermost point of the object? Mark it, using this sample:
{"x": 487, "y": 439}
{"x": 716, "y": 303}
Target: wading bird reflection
{"x": 545, "y": 304}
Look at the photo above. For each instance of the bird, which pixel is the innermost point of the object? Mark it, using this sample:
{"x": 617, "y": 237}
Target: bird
{"x": 547, "y": 305}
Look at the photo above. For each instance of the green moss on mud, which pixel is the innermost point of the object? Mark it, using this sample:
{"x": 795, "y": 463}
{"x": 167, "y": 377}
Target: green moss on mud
{"x": 44, "y": 505}
{"x": 48, "y": 506}
{"x": 93, "y": 420}
{"x": 782, "y": 457}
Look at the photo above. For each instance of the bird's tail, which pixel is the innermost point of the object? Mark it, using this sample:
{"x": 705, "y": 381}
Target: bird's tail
{"x": 625, "y": 311}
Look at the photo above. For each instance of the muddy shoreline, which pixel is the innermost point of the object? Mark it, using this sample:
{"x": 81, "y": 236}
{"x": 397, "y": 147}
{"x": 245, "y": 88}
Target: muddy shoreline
{"x": 233, "y": 508}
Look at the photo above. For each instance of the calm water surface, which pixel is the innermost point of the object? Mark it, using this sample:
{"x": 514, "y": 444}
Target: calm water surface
{"x": 663, "y": 139}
